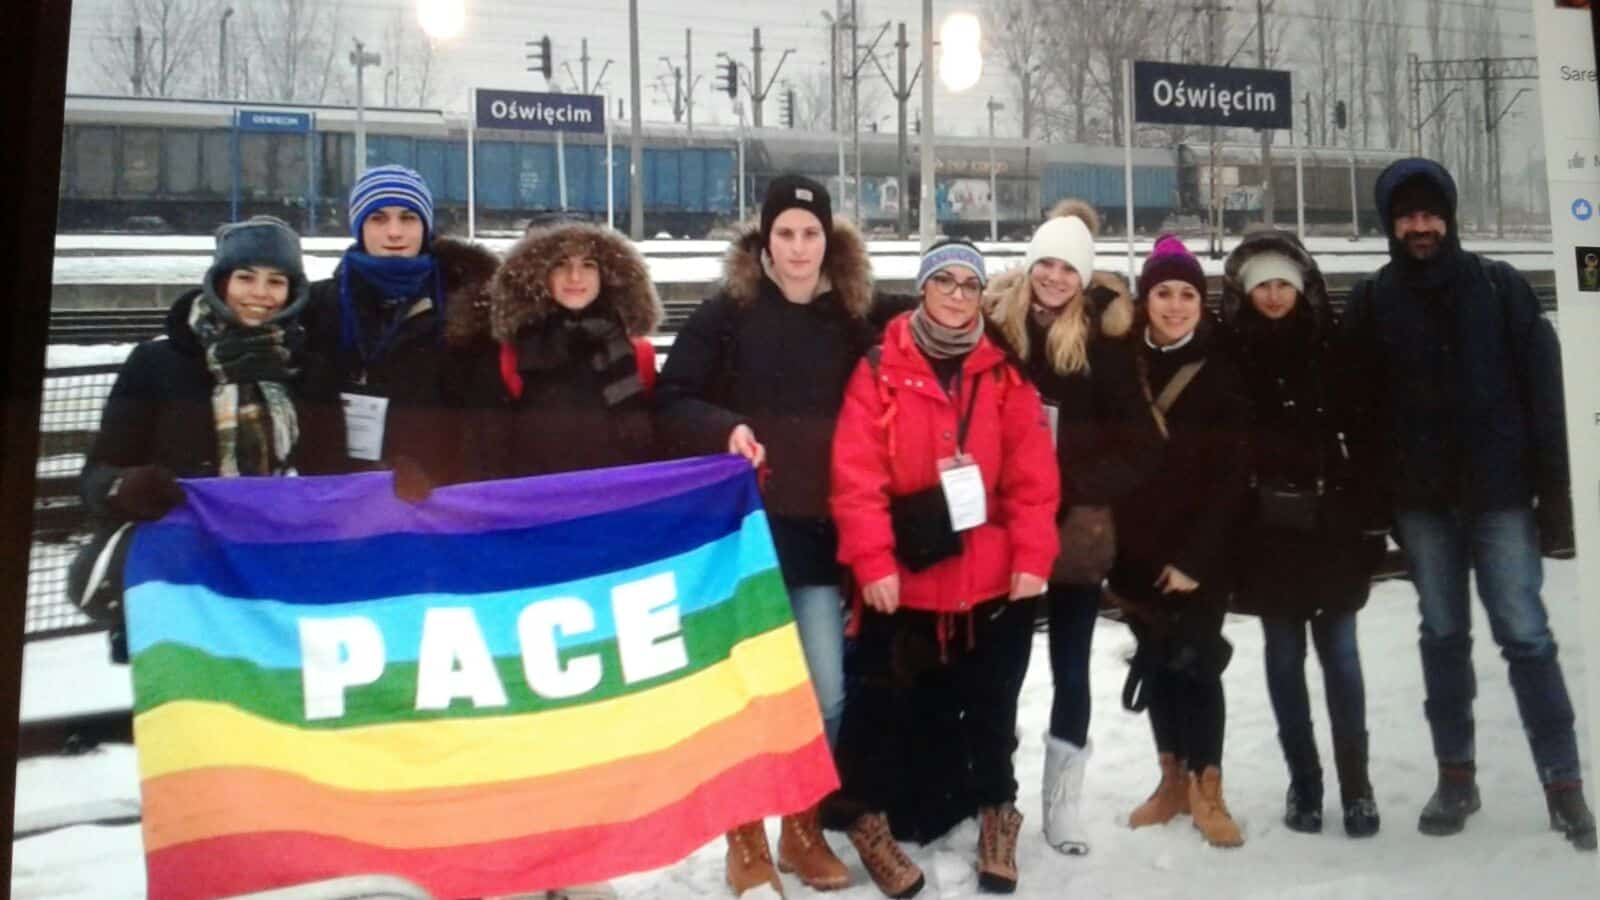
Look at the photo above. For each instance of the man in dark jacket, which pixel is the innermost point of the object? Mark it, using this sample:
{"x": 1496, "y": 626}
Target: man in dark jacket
{"x": 1458, "y": 375}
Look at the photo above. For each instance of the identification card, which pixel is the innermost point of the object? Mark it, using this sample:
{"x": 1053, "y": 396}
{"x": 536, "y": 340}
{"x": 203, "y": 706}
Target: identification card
{"x": 962, "y": 481}
{"x": 1052, "y": 414}
{"x": 364, "y": 418}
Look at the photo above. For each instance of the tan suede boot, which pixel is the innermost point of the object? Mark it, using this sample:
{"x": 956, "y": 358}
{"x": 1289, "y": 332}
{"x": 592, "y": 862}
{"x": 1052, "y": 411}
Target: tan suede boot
{"x": 892, "y": 871}
{"x": 750, "y": 860}
{"x": 1170, "y": 799}
{"x": 997, "y": 848}
{"x": 803, "y": 851}
{"x": 1211, "y": 814}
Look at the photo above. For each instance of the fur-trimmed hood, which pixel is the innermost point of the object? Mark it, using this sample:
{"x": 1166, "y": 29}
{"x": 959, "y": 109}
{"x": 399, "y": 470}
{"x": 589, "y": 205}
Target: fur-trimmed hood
{"x": 1236, "y": 305}
{"x": 465, "y": 269}
{"x": 845, "y": 265}
{"x": 519, "y": 293}
{"x": 1107, "y": 293}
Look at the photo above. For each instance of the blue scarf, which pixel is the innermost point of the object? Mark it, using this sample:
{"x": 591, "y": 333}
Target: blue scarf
{"x": 399, "y": 282}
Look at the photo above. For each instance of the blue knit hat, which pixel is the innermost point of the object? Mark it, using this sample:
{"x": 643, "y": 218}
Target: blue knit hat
{"x": 947, "y": 252}
{"x": 390, "y": 185}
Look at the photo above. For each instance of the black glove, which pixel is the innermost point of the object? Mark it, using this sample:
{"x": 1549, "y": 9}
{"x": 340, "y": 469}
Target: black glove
{"x": 145, "y": 493}
{"x": 262, "y": 353}
{"x": 411, "y": 483}
{"x": 1554, "y": 517}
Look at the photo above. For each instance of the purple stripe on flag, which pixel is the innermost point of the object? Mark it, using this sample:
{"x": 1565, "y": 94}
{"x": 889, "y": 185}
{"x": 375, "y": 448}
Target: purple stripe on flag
{"x": 294, "y": 510}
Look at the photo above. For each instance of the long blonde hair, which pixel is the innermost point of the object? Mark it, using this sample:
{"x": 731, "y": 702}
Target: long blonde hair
{"x": 1066, "y": 344}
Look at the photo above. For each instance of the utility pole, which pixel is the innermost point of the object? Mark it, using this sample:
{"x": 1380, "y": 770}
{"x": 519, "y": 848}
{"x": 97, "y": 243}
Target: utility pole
{"x": 1268, "y": 200}
{"x": 1488, "y": 71}
{"x": 857, "y": 63}
{"x": 994, "y": 196}
{"x": 688, "y": 76}
{"x": 1310, "y": 142}
{"x": 138, "y": 61}
{"x": 755, "y": 81}
{"x": 927, "y": 214}
{"x": 902, "y": 221}
{"x": 222, "y": 53}
{"x": 1214, "y": 206}
{"x": 360, "y": 58}
{"x": 635, "y": 138}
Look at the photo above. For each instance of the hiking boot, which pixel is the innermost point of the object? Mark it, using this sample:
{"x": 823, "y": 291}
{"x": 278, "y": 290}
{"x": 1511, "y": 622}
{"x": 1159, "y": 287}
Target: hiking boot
{"x": 997, "y": 848}
{"x": 1211, "y": 814}
{"x": 1453, "y": 800}
{"x": 803, "y": 851}
{"x": 892, "y": 871}
{"x": 1355, "y": 790}
{"x": 1302, "y": 807}
{"x": 1064, "y": 763}
{"x": 1569, "y": 814}
{"x": 750, "y": 860}
{"x": 1171, "y": 796}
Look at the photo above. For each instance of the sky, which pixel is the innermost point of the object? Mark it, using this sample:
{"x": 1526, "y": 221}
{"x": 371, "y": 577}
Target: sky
{"x": 491, "y": 52}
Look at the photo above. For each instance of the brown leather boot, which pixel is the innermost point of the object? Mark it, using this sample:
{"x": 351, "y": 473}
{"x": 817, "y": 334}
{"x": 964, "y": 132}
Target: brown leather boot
{"x": 997, "y": 848}
{"x": 803, "y": 851}
{"x": 892, "y": 871}
{"x": 1211, "y": 814}
{"x": 1171, "y": 796}
{"x": 750, "y": 860}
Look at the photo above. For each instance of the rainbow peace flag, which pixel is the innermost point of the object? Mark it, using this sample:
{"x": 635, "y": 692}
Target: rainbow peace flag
{"x": 512, "y": 686}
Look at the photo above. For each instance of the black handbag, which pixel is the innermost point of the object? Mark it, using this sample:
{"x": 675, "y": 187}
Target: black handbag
{"x": 1289, "y": 509}
{"x": 922, "y": 532}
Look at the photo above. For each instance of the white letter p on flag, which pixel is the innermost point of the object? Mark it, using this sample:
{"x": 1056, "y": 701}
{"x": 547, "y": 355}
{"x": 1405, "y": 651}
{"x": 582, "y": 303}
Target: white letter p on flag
{"x": 336, "y": 654}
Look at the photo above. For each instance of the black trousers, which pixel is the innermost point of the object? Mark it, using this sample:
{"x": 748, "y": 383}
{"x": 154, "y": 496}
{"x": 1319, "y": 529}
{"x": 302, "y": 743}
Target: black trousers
{"x": 931, "y": 721}
{"x": 1181, "y": 663}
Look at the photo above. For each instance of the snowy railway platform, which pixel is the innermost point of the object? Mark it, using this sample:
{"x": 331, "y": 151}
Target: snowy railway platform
{"x": 1506, "y": 851}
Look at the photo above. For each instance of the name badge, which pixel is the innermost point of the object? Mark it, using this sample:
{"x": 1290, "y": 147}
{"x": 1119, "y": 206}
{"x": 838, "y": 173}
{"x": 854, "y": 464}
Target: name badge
{"x": 964, "y": 494}
{"x": 364, "y": 417}
{"x": 1052, "y": 413}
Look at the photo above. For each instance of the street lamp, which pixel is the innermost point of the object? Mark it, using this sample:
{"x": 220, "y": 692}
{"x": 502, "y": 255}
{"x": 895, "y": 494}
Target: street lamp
{"x": 994, "y": 106}
{"x": 222, "y": 53}
{"x": 960, "y": 65}
{"x": 360, "y": 58}
{"x": 442, "y": 19}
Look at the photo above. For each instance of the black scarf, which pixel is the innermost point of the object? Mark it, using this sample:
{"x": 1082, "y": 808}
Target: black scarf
{"x": 593, "y": 337}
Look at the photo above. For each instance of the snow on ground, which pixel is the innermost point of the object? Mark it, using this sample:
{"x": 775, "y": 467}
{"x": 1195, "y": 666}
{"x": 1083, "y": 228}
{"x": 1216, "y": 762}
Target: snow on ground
{"x": 1506, "y": 851}
{"x": 66, "y": 356}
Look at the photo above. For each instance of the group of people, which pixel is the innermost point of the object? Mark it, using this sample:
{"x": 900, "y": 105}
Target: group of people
{"x": 943, "y": 470}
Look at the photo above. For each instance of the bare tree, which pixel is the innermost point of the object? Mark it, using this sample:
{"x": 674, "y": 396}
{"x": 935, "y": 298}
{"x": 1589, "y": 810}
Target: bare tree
{"x": 408, "y": 63}
{"x": 1015, "y": 29}
{"x": 1393, "y": 46}
{"x": 300, "y": 49}
{"x": 153, "y": 44}
{"x": 1436, "y": 17}
{"x": 1363, "y": 35}
{"x": 811, "y": 98}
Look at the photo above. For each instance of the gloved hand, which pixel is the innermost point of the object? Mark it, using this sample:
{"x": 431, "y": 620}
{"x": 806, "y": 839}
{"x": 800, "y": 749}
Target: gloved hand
{"x": 145, "y": 493}
{"x": 1554, "y": 517}
{"x": 262, "y": 353}
{"x": 411, "y": 483}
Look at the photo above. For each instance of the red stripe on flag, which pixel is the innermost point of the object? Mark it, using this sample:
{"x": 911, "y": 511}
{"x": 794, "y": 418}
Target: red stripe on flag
{"x": 239, "y": 864}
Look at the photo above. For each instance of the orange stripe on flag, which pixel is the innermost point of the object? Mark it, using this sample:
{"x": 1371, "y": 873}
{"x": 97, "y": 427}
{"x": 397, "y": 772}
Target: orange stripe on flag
{"x": 206, "y": 803}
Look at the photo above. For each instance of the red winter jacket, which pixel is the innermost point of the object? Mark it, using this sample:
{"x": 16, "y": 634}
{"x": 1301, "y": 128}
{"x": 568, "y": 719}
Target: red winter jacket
{"x": 894, "y": 427}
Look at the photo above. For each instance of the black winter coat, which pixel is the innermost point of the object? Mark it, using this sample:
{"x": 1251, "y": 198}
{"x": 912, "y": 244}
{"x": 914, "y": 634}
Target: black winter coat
{"x": 158, "y": 413}
{"x": 1296, "y": 443}
{"x": 1181, "y": 515}
{"x": 423, "y": 375}
{"x": 749, "y": 356}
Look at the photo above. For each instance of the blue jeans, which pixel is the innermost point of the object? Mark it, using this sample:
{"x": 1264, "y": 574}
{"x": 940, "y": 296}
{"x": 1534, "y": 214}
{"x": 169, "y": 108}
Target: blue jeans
{"x": 819, "y": 616}
{"x": 1500, "y": 547}
{"x": 1335, "y": 639}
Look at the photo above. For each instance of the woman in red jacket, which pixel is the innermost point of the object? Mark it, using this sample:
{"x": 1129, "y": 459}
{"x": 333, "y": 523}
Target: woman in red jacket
{"x": 944, "y": 492}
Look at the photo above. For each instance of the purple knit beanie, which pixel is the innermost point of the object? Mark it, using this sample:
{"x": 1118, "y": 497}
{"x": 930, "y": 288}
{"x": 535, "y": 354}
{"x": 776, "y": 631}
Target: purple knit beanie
{"x": 1170, "y": 260}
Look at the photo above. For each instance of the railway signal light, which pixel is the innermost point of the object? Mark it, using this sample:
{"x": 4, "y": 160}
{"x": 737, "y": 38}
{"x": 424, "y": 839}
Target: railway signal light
{"x": 728, "y": 78}
{"x": 1339, "y": 114}
{"x": 540, "y": 58}
{"x": 786, "y": 108}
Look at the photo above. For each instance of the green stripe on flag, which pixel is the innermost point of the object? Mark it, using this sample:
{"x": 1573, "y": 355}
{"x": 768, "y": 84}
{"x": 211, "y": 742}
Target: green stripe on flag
{"x": 170, "y": 672}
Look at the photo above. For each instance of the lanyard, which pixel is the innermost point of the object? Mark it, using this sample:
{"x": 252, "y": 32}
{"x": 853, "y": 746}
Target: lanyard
{"x": 965, "y": 422}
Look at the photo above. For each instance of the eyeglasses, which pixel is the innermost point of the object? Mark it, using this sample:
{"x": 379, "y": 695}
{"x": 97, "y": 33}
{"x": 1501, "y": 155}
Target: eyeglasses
{"x": 948, "y": 286}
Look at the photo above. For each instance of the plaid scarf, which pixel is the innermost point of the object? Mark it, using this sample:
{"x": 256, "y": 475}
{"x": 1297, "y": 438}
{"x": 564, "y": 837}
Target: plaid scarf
{"x": 255, "y": 421}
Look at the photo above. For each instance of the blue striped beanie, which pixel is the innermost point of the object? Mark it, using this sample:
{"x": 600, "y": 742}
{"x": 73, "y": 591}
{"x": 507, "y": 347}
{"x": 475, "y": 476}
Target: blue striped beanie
{"x": 949, "y": 252}
{"x": 390, "y": 185}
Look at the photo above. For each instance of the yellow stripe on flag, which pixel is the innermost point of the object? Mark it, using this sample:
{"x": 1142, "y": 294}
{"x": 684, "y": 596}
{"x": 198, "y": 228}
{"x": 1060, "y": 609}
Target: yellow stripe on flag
{"x": 186, "y": 735}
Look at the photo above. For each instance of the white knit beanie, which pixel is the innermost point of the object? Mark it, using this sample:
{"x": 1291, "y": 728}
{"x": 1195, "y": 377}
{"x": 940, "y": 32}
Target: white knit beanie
{"x": 1067, "y": 239}
{"x": 1266, "y": 266}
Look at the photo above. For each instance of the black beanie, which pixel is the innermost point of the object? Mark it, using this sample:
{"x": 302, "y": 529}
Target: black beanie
{"x": 258, "y": 241}
{"x": 795, "y": 192}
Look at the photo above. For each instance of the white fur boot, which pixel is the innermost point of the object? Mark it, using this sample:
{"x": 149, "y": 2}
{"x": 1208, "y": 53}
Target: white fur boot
{"x": 1062, "y": 796}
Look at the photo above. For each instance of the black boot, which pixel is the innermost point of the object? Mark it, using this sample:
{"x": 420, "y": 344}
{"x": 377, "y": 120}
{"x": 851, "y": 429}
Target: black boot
{"x": 1355, "y": 790}
{"x": 1302, "y": 807}
{"x": 1569, "y": 814}
{"x": 1453, "y": 800}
